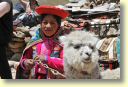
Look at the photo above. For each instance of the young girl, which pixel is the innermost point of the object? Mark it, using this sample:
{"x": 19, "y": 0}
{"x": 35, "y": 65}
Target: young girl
{"x": 43, "y": 56}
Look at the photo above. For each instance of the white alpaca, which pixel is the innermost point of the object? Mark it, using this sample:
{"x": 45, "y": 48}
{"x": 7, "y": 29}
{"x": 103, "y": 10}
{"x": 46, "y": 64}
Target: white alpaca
{"x": 80, "y": 55}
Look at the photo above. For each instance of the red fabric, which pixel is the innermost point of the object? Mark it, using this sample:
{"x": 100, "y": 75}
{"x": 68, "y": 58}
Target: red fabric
{"x": 56, "y": 63}
{"x": 28, "y": 55}
{"x": 52, "y": 10}
{"x": 52, "y": 62}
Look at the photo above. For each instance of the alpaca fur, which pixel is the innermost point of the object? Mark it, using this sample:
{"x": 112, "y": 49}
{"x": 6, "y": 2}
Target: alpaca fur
{"x": 80, "y": 55}
{"x": 111, "y": 74}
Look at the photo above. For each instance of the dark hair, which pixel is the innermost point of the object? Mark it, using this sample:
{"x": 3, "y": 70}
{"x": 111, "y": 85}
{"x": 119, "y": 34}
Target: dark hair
{"x": 58, "y": 19}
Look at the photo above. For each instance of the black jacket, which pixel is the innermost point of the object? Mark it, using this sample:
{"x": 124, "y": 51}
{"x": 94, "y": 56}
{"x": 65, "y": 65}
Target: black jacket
{"x": 6, "y": 25}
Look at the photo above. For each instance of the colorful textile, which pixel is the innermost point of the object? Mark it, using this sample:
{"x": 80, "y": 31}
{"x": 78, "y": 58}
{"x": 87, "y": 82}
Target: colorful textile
{"x": 53, "y": 52}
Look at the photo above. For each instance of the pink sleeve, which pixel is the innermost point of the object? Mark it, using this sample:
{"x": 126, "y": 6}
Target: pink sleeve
{"x": 56, "y": 63}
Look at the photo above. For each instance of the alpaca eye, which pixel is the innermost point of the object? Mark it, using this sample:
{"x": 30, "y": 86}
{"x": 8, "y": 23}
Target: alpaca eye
{"x": 77, "y": 46}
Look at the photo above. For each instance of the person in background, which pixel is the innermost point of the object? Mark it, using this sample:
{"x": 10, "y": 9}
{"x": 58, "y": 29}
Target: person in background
{"x": 6, "y": 28}
{"x": 19, "y": 7}
{"x": 28, "y": 17}
{"x": 29, "y": 5}
{"x": 25, "y": 6}
{"x": 43, "y": 56}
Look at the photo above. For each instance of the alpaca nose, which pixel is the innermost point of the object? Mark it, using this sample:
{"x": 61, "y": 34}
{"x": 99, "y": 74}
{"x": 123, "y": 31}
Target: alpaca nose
{"x": 88, "y": 54}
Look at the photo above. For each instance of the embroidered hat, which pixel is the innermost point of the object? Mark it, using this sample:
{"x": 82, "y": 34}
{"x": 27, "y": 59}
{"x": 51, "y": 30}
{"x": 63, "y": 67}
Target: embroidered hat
{"x": 52, "y": 10}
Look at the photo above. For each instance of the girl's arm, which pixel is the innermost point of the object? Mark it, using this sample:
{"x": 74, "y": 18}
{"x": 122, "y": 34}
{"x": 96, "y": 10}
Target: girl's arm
{"x": 56, "y": 63}
{"x": 26, "y": 55}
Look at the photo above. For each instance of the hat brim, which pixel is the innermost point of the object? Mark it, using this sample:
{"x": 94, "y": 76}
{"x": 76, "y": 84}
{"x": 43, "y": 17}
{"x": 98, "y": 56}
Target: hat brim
{"x": 52, "y": 10}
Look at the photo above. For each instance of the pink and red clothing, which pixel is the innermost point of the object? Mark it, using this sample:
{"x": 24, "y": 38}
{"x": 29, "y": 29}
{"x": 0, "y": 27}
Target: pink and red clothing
{"x": 53, "y": 52}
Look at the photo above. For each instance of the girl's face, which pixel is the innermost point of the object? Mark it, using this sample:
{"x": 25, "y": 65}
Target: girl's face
{"x": 49, "y": 25}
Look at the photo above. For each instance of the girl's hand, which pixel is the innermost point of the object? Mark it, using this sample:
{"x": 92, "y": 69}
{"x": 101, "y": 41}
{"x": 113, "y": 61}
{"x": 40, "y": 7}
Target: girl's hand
{"x": 41, "y": 57}
{"x": 29, "y": 63}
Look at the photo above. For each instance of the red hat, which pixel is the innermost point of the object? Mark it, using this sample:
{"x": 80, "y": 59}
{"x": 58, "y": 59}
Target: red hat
{"x": 52, "y": 10}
